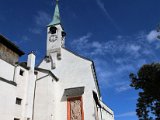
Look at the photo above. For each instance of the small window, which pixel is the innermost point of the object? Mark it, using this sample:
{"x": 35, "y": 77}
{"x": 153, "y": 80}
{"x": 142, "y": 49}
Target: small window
{"x": 21, "y": 72}
{"x": 18, "y": 101}
{"x": 16, "y": 119}
{"x": 53, "y": 30}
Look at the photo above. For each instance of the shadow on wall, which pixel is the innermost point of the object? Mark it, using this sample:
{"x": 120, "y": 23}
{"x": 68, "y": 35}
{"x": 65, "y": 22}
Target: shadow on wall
{"x": 72, "y": 92}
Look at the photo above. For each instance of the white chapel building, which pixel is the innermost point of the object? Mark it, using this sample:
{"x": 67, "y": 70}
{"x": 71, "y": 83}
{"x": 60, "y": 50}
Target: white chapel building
{"x": 63, "y": 86}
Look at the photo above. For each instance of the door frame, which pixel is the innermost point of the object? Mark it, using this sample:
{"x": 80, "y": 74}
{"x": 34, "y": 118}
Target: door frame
{"x": 69, "y": 107}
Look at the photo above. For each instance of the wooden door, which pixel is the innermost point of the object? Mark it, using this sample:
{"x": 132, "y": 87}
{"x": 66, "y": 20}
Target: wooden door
{"x": 75, "y": 108}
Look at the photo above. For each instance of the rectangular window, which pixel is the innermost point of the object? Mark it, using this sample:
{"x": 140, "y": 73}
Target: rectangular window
{"x": 16, "y": 119}
{"x": 18, "y": 101}
{"x": 75, "y": 109}
{"x": 21, "y": 72}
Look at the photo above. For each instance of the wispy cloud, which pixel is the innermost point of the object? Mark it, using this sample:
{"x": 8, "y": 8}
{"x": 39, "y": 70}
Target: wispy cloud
{"x": 115, "y": 59}
{"x": 82, "y": 42}
{"x": 122, "y": 44}
{"x": 41, "y": 19}
{"x": 152, "y": 36}
{"x": 134, "y": 48}
{"x": 23, "y": 39}
{"x": 127, "y": 114}
{"x": 35, "y": 30}
{"x": 102, "y": 7}
{"x": 83, "y": 39}
{"x": 122, "y": 86}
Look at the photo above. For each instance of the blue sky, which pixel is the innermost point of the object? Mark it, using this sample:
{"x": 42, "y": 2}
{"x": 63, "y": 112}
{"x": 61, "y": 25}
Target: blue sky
{"x": 119, "y": 36}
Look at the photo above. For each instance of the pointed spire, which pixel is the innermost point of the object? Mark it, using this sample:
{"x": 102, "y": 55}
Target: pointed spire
{"x": 56, "y": 17}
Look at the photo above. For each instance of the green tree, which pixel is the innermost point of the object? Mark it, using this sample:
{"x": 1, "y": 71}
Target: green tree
{"x": 147, "y": 81}
{"x": 158, "y": 30}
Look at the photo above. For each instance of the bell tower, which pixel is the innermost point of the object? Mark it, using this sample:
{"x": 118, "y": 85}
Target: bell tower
{"x": 55, "y": 37}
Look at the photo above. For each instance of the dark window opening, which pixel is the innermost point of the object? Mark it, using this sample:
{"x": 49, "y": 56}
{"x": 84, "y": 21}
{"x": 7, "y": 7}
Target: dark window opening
{"x": 96, "y": 99}
{"x": 18, "y": 101}
{"x": 16, "y": 119}
{"x": 21, "y": 72}
{"x": 53, "y": 30}
{"x": 63, "y": 34}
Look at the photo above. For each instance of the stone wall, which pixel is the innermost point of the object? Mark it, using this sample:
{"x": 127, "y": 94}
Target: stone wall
{"x": 8, "y": 55}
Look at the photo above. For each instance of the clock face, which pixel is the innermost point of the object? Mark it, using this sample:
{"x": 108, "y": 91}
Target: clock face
{"x": 53, "y": 38}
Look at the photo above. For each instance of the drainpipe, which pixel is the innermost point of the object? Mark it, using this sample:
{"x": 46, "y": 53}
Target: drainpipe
{"x": 37, "y": 79}
{"x": 101, "y": 113}
{"x": 15, "y": 72}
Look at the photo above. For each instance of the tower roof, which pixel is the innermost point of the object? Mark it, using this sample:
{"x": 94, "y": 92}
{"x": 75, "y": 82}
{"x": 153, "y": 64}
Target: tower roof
{"x": 56, "y": 17}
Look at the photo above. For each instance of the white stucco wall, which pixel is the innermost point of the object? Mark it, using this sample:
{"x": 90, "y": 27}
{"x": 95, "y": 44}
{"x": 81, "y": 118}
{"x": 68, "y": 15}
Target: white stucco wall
{"x": 29, "y": 94}
{"x": 73, "y": 71}
{"x": 50, "y": 102}
{"x": 6, "y": 70}
{"x": 107, "y": 113}
{"x": 9, "y": 92}
{"x": 7, "y": 101}
{"x": 44, "y": 103}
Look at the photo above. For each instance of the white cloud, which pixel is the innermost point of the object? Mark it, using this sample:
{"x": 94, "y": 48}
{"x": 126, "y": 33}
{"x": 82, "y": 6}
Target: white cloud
{"x": 127, "y": 114}
{"x": 135, "y": 48}
{"x": 97, "y": 48}
{"x": 102, "y": 7}
{"x": 158, "y": 45}
{"x": 122, "y": 87}
{"x": 152, "y": 36}
{"x": 116, "y": 59}
{"x": 96, "y": 44}
{"x": 35, "y": 30}
{"x": 42, "y": 18}
{"x": 122, "y": 44}
{"x": 89, "y": 47}
{"x": 83, "y": 38}
{"x": 123, "y": 68}
{"x": 24, "y": 39}
{"x": 82, "y": 42}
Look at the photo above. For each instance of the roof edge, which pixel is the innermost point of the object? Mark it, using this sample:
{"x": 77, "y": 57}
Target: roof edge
{"x": 5, "y": 41}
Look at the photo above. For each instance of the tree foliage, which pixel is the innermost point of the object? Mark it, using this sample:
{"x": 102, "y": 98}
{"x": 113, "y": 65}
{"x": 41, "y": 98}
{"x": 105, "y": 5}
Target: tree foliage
{"x": 158, "y": 30}
{"x": 147, "y": 81}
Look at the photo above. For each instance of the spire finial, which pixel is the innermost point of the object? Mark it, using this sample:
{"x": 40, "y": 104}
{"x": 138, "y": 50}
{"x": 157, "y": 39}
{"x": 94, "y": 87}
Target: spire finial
{"x": 56, "y": 17}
